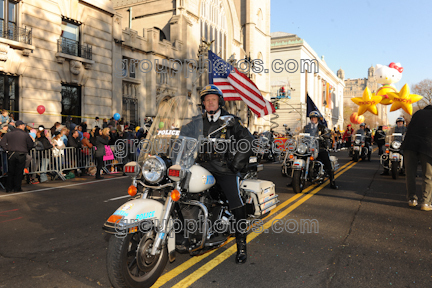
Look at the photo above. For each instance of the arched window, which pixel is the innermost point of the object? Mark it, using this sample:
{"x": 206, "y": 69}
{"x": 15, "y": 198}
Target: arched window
{"x": 260, "y": 19}
{"x": 214, "y": 26}
{"x": 260, "y": 56}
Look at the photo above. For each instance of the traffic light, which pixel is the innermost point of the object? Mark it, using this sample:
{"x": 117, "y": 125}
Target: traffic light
{"x": 276, "y": 105}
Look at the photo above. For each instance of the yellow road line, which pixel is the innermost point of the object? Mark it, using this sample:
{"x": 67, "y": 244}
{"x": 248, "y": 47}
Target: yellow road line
{"x": 194, "y": 260}
{"x": 200, "y": 272}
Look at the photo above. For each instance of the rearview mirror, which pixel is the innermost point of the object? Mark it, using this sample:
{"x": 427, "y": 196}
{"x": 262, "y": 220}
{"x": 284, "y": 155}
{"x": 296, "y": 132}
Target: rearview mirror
{"x": 227, "y": 120}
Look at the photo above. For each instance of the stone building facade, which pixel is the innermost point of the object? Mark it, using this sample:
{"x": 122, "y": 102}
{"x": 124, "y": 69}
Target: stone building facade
{"x": 301, "y": 72}
{"x": 355, "y": 88}
{"x": 57, "y": 54}
{"x": 83, "y": 57}
{"x": 238, "y": 28}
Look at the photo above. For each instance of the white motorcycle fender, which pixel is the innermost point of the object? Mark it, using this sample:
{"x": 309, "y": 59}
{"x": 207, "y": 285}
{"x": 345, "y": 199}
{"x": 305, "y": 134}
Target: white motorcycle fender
{"x": 395, "y": 157}
{"x": 299, "y": 164}
{"x": 136, "y": 211}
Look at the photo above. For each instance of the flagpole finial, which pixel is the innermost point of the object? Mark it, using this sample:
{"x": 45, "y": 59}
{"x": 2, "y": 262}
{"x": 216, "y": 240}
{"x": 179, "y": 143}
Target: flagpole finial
{"x": 207, "y": 43}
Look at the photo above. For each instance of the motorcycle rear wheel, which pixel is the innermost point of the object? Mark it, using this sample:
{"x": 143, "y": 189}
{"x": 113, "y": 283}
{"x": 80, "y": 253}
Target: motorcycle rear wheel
{"x": 394, "y": 170}
{"x": 297, "y": 183}
{"x": 129, "y": 264}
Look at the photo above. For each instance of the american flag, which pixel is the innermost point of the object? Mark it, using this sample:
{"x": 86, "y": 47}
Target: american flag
{"x": 237, "y": 86}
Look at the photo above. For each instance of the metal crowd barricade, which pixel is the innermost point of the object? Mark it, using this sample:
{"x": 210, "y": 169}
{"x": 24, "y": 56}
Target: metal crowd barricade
{"x": 43, "y": 162}
{"x": 69, "y": 158}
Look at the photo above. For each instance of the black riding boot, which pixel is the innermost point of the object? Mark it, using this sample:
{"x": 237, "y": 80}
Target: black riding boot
{"x": 332, "y": 181}
{"x": 241, "y": 233}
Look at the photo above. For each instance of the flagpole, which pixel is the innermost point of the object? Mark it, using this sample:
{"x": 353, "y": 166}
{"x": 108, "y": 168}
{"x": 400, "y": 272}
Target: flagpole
{"x": 249, "y": 75}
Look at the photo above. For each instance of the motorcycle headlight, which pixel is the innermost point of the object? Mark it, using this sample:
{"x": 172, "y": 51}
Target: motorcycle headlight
{"x": 357, "y": 142}
{"x": 301, "y": 148}
{"x": 396, "y": 144}
{"x": 153, "y": 169}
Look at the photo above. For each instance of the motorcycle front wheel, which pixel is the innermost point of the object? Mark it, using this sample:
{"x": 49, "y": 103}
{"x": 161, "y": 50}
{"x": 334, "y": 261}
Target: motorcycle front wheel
{"x": 129, "y": 262}
{"x": 394, "y": 170}
{"x": 297, "y": 183}
{"x": 356, "y": 157}
{"x": 283, "y": 171}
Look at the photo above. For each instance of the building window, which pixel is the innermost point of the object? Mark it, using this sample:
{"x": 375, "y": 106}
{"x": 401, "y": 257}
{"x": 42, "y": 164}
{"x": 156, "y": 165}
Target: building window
{"x": 130, "y": 103}
{"x": 9, "y": 25}
{"x": 71, "y": 103}
{"x": 214, "y": 27}
{"x": 130, "y": 68}
{"x": 260, "y": 20}
{"x": 9, "y": 94}
{"x": 69, "y": 42}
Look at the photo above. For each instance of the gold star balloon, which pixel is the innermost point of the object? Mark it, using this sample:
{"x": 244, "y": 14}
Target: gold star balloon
{"x": 368, "y": 102}
{"x": 403, "y": 99}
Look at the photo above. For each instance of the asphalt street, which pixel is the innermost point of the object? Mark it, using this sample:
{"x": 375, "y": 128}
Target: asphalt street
{"x": 366, "y": 236}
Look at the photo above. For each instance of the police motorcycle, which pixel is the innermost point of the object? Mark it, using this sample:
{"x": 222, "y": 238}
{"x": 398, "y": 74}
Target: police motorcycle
{"x": 266, "y": 149}
{"x": 392, "y": 158}
{"x": 176, "y": 205}
{"x": 360, "y": 147}
{"x": 301, "y": 162}
{"x": 287, "y": 162}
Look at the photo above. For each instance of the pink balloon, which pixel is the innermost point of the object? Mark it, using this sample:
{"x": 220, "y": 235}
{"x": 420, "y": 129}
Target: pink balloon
{"x": 40, "y": 109}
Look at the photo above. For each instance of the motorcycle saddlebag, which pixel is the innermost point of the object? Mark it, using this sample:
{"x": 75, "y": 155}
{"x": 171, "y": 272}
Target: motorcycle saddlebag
{"x": 334, "y": 163}
{"x": 261, "y": 194}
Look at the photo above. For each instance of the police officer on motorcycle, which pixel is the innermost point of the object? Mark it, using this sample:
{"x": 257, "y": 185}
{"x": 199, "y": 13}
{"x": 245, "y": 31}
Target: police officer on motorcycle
{"x": 226, "y": 166}
{"x": 365, "y": 131}
{"x": 316, "y": 129}
{"x": 400, "y": 128}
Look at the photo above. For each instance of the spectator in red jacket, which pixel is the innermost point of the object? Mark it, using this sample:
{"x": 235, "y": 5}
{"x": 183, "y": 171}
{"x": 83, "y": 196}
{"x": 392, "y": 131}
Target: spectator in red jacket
{"x": 347, "y": 136}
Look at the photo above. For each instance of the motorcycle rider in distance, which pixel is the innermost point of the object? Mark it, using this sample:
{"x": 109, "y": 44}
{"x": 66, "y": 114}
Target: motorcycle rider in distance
{"x": 400, "y": 128}
{"x": 361, "y": 130}
{"x": 367, "y": 133}
{"x": 317, "y": 129}
{"x": 225, "y": 167}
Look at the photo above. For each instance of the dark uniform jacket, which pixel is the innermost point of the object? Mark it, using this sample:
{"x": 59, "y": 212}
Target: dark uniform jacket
{"x": 319, "y": 131}
{"x": 200, "y": 126}
{"x": 380, "y": 137}
{"x": 17, "y": 141}
{"x": 419, "y": 134}
{"x": 401, "y": 130}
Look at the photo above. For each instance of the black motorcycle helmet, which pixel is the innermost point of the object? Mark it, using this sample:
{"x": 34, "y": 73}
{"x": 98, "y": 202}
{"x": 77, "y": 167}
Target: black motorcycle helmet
{"x": 212, "y": 89}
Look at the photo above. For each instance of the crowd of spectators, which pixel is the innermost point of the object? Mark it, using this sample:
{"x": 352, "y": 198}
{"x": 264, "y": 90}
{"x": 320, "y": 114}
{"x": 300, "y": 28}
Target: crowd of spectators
{"x": 51, "y": 143}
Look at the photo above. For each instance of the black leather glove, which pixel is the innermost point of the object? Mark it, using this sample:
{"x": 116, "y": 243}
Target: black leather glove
{"x": 234, "y": 169}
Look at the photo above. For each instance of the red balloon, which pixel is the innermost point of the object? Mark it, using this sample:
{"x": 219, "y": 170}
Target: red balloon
{"x": 40, "y": 109}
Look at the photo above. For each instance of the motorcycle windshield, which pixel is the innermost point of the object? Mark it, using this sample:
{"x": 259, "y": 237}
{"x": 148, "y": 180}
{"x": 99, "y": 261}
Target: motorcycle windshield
{"x": 395, "y": 137}
{"x": 358, "y": 137}
{"x": 306, "y": 139}
{"x": 174, "y": 133}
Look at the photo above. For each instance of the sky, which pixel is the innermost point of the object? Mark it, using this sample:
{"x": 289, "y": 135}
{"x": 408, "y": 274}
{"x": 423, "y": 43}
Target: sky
{"x": 353, "y": 35}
